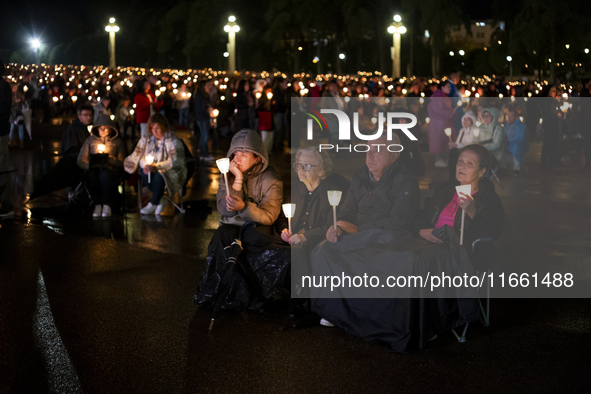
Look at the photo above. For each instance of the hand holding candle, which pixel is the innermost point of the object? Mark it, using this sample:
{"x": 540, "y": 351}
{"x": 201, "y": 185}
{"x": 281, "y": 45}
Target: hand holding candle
{"x": 289, "y": 211}
{"x": 448, "y": 133}
{"x": 224, "y": 167}
{"x": 101, "y": 148}
{"x": 334, "y": 198}
{"x": 467, "y": 190}
{"x": 149, "y": 160}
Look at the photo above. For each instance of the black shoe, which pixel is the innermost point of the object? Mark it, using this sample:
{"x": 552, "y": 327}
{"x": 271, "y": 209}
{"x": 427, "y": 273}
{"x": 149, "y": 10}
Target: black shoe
{"x": 515, "y": 172}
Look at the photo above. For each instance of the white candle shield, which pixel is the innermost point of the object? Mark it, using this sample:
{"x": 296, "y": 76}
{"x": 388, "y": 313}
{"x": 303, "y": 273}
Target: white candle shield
{"x": 334, "y": 198}
{"x": 466, "y": 189}
{"x": 224, "y": 167}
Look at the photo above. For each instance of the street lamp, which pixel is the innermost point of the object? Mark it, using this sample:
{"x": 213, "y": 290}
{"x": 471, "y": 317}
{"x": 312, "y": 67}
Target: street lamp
{"x": 232, "y": 28}
{"x": 396, "y": 29}
{"x": 36, "y": 44}
{"x": 112, "y": 28}
{"x": 510, "y": 60}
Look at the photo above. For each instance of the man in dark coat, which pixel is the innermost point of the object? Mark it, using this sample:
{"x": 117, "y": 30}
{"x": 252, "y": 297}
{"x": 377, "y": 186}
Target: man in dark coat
{"x": 66, "y": 172}
{"x": 77, "y": 133}
{"x": 5, "y": 107}
{"x": 384, "y": 194}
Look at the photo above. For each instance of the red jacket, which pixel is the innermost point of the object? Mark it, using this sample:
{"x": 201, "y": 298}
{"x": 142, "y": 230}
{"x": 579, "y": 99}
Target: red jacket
{"x": 142, "y": 107}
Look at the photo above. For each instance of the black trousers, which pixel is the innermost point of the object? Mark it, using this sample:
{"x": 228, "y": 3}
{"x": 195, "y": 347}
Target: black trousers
{"x": 101, "y": 183}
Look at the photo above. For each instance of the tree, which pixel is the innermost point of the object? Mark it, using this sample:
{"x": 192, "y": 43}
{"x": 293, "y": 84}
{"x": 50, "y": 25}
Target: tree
{"x": 438, "y": 16}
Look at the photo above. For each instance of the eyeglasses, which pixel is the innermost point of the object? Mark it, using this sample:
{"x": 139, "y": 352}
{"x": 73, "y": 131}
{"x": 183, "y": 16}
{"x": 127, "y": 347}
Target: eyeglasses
{"x": 305, "y": 167}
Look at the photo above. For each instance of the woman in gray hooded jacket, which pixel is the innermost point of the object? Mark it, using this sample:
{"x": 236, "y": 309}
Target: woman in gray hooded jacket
{"x": 255, "y": 196}
{"x": 101, "y": 156}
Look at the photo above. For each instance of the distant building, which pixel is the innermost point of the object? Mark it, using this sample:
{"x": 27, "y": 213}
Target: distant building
{"x": 481, "y": 34}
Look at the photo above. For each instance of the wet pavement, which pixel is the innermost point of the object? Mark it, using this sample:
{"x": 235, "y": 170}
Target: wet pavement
{"x": 105, "y": 306}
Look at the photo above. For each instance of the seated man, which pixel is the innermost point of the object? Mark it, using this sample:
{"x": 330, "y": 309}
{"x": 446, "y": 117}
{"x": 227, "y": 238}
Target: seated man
{"x": 77, "y": 133}
{"x": 384, "y": 194}
{"x": 382, "y": 202}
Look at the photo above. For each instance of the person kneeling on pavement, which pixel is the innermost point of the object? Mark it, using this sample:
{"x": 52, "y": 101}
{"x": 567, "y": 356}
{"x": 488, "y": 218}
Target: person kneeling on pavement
{"x": 252, "y": 204}
{"x": 160, "y": 154}
{"x": 101, "y": 156}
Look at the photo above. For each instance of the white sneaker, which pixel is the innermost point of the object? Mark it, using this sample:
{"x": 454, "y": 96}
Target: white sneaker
{"x": 160, "y": 208}
{"x": 148, "y": 209}
{"x": 98, "y": 211}
{"x": 326, "y": 323}
{"x": 106, "y": 211}
{"x": 441, "y": 163}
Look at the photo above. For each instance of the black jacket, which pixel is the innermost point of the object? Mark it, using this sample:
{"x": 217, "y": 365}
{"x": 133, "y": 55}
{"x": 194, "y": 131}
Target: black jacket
{"x": 390, "y": 204}
{"x": 489, "y": 219}
{"x": 5, "y": 106}
{"x": 74, "y": 138}
{"x": 313, "y": 214}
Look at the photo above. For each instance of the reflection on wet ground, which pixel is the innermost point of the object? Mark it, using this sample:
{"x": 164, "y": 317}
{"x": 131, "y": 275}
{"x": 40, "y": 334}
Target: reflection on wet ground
{"x": 112, "y": 299}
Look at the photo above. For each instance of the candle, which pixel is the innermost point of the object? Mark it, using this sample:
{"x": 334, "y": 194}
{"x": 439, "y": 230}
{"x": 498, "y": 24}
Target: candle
{"x": 149, "y": 161}
{"x": 289, "y": 211}
{"x": 224, "y": 167}
{"x": 466, "y": 189}
{"x": 477, "y": 130}
{"x": 334, "y": 198}
{"x": 269, "y": 95}
{"x": 101, "y": 148}
{"x": 448, "y": 133}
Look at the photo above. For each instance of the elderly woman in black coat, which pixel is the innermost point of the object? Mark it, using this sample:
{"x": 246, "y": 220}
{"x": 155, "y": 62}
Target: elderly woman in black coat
{"x": 313, "y": 212}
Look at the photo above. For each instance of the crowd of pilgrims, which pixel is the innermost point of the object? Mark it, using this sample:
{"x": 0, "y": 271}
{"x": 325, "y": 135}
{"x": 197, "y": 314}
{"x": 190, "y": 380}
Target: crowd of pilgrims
{"x": 380, "y": 205}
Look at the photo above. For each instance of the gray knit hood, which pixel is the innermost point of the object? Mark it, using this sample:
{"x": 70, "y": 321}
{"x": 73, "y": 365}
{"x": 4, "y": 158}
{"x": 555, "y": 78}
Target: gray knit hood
{"x": 105, "y": 120}
{"x": 250, "y": 141}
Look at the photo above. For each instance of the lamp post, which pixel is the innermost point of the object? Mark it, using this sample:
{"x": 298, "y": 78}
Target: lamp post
{"x": 510, "y": 60}
{"x": 396, "y": 29}
{"x": 232, "y": 28}
{"x": 112, "y": 28}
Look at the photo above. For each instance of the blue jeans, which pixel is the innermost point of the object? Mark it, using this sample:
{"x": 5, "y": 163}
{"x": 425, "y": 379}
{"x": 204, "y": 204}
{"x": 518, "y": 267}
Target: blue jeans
{"x": 156, "y": 185}
{"x": 203, "y": 137}
{"x": 21, "y": 132}
{"x": 183, "y": 116}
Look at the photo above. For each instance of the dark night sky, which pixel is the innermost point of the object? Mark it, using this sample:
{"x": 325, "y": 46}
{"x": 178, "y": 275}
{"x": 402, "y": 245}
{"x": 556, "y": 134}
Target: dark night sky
{"x": 60, "y": 20}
